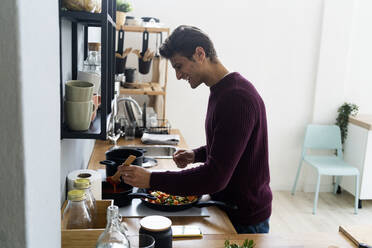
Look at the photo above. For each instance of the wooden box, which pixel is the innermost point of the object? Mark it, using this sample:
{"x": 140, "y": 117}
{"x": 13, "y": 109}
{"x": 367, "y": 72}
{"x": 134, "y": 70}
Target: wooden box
{"x": 81, "y": 238}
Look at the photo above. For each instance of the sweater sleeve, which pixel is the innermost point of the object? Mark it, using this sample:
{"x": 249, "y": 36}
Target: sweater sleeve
{"x": 234, "y": 121}
{"x": 200, "y": 154}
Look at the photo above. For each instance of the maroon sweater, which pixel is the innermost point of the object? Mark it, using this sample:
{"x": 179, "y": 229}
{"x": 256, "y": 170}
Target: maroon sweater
{"x": 236, "y": 167}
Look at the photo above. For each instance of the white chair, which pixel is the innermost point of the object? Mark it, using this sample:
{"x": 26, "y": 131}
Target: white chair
{"x": 326, "y": 137}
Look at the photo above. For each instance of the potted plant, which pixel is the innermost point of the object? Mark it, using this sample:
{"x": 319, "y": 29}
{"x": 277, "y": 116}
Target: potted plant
{"x": 343, "y": 118}
{"x": 122, "y": 7}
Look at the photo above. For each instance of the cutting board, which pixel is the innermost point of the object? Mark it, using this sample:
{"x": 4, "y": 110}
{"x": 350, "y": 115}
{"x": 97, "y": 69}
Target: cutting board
{"x": 358, "y": 234}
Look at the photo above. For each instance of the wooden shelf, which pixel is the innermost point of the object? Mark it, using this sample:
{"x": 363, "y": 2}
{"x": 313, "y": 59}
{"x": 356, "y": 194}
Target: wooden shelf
{"x": 127, "y": 28}
{"x": 151, "y": 89}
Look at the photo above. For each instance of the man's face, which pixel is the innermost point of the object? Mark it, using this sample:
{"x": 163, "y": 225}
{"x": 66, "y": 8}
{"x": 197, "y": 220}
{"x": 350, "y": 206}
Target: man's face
{"x": 187, "y": 69}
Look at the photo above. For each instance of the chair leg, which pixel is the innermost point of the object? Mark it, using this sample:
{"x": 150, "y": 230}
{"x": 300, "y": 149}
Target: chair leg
{"x": 297, "y": 176}
{"x": 335, "y": 186}
{"x": 356, "y": 194}
{"x": 316, "y": 194}
{"x": 337, "y": 183}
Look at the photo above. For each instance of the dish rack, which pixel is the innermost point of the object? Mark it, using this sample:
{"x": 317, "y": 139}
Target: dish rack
{"x": 161, "y": 127}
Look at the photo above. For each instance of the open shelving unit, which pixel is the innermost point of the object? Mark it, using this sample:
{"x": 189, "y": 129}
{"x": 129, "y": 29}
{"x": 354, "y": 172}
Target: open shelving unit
{"x": 148, "y": 88}
{"x": 106, "y": 21}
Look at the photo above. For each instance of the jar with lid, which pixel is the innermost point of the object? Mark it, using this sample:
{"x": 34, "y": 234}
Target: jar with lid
{"x": 93, "y": 60}
{"x": 159, "y": 227}
{"x": 76, "y": 214}
{"x": 84, "y": 184}
{"x": 113, "y": 237}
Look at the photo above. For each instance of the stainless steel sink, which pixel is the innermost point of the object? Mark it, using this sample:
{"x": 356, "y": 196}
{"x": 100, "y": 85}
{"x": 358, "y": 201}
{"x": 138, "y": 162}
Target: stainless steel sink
{"x": 157, "y": 151}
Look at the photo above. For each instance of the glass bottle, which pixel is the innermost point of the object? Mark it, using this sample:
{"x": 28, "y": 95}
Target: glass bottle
{"x": 76, "y": 214}
{"x": 84, "y": 184}
{"x": 113, "y": 237}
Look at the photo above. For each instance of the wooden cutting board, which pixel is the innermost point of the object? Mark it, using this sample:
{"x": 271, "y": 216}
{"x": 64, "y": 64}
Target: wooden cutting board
{"x": 358, "y": 234}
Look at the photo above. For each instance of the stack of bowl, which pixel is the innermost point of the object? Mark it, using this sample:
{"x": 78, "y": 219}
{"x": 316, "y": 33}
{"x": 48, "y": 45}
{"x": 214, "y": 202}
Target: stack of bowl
{"x": 79, "y": 105}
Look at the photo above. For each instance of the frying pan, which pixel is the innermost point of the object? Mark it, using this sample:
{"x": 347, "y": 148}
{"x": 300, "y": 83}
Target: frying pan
{"x": 120, "y": 197}
{"x": 144, "y": 193}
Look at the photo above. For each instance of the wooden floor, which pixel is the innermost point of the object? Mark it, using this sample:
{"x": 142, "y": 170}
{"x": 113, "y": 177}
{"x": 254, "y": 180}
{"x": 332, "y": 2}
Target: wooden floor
{"x": 293, "y": 214}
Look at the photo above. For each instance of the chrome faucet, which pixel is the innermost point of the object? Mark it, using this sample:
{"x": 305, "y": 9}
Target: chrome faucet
{"x": 112, "y": 135}
{"x": 129, "y": 99}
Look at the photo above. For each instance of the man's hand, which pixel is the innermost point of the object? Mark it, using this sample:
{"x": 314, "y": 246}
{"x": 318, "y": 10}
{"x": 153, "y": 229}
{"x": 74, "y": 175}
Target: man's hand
{"x": 135, "y": 176}
{"x": 183, "y": 157}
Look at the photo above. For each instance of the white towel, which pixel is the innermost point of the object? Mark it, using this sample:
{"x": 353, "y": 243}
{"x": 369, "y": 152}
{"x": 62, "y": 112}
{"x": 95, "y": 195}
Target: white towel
{"x": 160, "y": 139}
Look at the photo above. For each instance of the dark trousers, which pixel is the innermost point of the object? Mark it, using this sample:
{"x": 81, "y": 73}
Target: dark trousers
{"x": 262, "y": 227}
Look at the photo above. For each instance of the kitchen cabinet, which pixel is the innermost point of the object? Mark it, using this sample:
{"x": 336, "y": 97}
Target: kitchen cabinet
{"x": 71, "y": 47}
{"x": 152, "y": 89}
{"x": 358, "y": 152}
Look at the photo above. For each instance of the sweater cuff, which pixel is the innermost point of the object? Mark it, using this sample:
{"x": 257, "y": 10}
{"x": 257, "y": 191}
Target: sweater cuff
{"x": 200, "y": 154}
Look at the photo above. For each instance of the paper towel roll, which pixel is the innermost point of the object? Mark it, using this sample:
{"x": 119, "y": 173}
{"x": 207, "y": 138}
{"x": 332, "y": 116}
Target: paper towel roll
{"x": 92, "y": 175}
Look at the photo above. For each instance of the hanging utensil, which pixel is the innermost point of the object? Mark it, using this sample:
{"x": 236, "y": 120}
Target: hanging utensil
{"x": 119, "y": 59}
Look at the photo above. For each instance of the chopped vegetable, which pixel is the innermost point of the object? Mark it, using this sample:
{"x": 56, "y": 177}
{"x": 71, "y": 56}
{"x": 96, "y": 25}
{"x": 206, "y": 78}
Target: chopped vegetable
{"x": 167, "y": 199}
{"x": 247, "y": 244}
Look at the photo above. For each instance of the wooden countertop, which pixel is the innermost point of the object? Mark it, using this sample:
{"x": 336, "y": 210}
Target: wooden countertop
{"x": 312, "y": 240}
{"x": 217, "y": 223}
{"x": 362, "y": 120}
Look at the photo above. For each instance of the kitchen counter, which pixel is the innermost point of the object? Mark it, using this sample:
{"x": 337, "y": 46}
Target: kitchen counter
{"x": 217, "y": 223}
{"x": 217, "y": 228}
{"x": 309, "y": 240}
{"x": 364, "y": 121}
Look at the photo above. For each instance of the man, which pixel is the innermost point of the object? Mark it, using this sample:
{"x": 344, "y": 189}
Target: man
{"x": 235, "y": 156}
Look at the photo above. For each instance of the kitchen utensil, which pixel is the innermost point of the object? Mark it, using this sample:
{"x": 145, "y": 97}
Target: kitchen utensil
{"x": 145, "y": 41}
{"x": 144, "y": 63}
{"x": 144, "y": 116}
{"x": 119, "y": 59}
{"x": 115, "y": 179}
{"x": 144, "y": 193}
{"x": 155, "y": 69}
{"x": 129, "y": 109}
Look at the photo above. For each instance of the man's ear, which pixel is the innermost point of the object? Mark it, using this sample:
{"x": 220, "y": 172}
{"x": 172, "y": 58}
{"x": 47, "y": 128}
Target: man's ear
{"x": 199, "y": 54}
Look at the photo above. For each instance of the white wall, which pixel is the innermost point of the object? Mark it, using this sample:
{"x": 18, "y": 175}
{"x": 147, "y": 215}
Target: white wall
{"x": 305, "y": 58}
{"x": 30, "y": 146}
{"x": 274, "y": 44}
{"x": 359, "y": 81}
{"x": 12, "y": 171}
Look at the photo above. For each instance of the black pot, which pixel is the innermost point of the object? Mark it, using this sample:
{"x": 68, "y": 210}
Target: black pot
{"x": 117, "y": 156}
{"x": 120, "y": 197}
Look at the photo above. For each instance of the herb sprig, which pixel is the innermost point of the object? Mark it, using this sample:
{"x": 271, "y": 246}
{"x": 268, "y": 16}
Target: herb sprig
{"x": 247, "y": 244}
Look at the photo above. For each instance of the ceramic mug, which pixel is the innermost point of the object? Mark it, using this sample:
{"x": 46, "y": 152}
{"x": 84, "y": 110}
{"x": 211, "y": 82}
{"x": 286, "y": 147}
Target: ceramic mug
{"x": 79, "y": 114}
{"x": 78, "y": 91}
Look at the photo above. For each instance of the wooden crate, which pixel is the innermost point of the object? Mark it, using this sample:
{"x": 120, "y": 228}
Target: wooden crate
{"x": 81, "y": 238}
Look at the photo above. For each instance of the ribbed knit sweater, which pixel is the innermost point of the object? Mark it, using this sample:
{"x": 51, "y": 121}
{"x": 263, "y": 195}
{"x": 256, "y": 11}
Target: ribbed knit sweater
{"x": 235, "y": 165}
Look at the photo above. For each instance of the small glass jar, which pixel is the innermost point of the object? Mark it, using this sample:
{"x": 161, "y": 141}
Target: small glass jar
{"x": 113, "y": 235}
{"x": 159, "y": 227}
{"x": 84, "y": 184}
{"x": 93, "y": 61}
{"x": 76, "y": 214}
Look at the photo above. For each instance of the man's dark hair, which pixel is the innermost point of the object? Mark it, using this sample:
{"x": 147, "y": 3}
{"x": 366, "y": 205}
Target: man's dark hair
{"x": 184, "y": 40}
